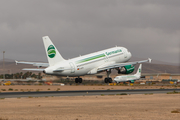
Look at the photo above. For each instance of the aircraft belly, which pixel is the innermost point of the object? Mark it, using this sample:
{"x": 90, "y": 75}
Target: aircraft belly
{"x": 78, "y": 72}
{"x": 84, "y": 69}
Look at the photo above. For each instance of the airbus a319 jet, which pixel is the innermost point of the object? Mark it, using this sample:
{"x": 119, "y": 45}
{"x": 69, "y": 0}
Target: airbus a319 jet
{"x": 129, "y": 78}
{"x": 93, "y": 63}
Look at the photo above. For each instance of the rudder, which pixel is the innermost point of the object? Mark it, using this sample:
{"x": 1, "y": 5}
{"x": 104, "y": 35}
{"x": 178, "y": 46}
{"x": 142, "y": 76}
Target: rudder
{"x": 52, "y": 53}
{"x": 139, "y": 70}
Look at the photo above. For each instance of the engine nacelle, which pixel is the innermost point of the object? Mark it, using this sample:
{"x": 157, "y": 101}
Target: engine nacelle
{"x": 126, "y": 69}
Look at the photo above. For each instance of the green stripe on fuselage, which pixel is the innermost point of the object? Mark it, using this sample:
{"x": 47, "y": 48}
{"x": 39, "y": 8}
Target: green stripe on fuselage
{"x": 90, "y": 58}
{"x": 128, "y": 76}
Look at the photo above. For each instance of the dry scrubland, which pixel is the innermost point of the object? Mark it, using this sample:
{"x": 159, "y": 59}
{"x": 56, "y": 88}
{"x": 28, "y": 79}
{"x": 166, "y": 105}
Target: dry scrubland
{"x": 110, "y": 107}
{"x": 26, "y": 88}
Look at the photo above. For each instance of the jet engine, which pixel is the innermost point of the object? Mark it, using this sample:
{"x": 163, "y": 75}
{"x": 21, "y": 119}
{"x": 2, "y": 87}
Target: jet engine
{"x": 126, "y": 69}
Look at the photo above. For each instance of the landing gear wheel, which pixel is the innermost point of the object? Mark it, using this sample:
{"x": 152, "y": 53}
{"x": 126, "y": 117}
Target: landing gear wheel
{"x": 76, "y": 80}
{"x": 106, "y": 80}
{"x": 80, "y": 80}
{"x": 110, "y": 80}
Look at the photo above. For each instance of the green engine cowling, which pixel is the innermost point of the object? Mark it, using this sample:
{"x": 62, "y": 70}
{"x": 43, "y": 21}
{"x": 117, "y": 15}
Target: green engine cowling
{"x": 126, "y": 69}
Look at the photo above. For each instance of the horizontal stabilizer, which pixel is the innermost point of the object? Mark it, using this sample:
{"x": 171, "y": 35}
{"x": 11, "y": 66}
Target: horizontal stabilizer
{"x": 32, "y": 69}
{"x": 33, "y": 63}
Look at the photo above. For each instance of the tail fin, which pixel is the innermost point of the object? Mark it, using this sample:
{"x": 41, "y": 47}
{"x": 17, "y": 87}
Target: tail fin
{"x": 139, "y": 70}
{"x": 52, "y": 53}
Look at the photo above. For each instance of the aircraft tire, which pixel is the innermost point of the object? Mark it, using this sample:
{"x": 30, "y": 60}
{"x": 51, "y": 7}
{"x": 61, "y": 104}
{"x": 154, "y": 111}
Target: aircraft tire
{"x": 80, "y": 80}
{"x": 110, "y": 80}
{"x": 106, "y": 80}
{"x": 76, "y": 80}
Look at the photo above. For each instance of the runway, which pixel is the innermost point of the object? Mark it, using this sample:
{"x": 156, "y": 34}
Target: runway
{"x": 83, "y": 93}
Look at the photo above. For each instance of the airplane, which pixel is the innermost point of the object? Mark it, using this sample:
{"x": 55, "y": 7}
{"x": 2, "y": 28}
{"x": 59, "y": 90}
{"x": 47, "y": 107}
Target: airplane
{"x": 93, "y": 63}
{"x": 129, "y": 78}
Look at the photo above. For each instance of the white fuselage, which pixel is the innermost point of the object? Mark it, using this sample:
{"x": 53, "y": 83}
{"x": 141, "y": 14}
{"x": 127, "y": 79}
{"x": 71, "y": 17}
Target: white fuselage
{"x": 88, "y": 64}
{"x": 126, "y": 78}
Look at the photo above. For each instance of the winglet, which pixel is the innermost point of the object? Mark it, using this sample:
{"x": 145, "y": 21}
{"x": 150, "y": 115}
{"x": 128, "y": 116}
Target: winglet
{"x": 149, "y": 60}
{"x": 16, "y": 62}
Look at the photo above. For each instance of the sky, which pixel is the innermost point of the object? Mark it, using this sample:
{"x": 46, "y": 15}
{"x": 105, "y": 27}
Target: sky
{"x": 148, "y": 29}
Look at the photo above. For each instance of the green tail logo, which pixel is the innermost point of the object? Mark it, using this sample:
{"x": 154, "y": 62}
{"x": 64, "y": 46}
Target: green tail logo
{"x": 139, "y": 70}
{"x": 51, "y": 51}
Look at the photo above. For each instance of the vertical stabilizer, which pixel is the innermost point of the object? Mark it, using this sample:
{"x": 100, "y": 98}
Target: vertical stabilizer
{"x": 52, "y": 53}
{"x": 139, "y": 70}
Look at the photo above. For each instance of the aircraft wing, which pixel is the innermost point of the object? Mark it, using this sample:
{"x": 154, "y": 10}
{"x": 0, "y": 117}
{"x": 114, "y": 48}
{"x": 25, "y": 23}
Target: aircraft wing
{"x": 117, "y": 65}
{"x": 41, "y": 70}
{"x": 33, "y": 63}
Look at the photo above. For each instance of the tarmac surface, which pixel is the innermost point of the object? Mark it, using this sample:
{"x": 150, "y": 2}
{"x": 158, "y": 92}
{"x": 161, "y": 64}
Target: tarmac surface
{"x": 83, "y": 93}
{"x": 99, "y": 107}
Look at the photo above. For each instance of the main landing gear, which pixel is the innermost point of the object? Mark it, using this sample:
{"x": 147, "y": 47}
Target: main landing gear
{"x": 78, "y": 80}
{"x": 108, "y": 79}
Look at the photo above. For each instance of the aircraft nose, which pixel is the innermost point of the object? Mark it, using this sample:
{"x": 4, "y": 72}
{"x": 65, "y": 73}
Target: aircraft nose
{"x": 115, "y": 79}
